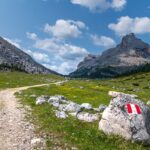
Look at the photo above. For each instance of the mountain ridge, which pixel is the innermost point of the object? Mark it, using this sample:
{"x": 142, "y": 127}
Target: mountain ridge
{"x": 13, "y": 58}
{"x": 128, "y": 56}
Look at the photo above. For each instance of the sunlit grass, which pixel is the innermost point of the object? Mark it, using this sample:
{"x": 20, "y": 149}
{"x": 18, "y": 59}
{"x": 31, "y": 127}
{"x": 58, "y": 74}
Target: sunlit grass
{"x": 18, "y": 79}
{"x": 71, "y": 132}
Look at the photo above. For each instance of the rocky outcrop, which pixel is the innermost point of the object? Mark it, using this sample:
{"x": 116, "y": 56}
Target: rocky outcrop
{"x": 131, "y": 55}
{"x": 12, "y": 58}
{"x": 64, "y": 108}
{"x": 128, "y": 117}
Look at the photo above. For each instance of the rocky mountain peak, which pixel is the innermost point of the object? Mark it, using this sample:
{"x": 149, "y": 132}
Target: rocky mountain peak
{"x": 130, "y": 55}
{"x": 13, "y": 58}
{"x": 131, "y": 41}
{"x": 89, "y": 57}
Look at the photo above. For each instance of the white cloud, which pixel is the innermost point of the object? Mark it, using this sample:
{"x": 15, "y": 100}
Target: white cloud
{"x": 14, "y": 42}
{"x": 65, "y": 29}
{"x": 104, "y": 41}
{"x": 118, "y": 4}
{"x": 126, "y": 24}
{"x": 31, "y": 36}
{"x": 66, "y": 51}
{"x": 40, "y": 57}
{"x": 64, "y": 67}
{"x": 64, "y": 57}
{"x": 101, "y": 5}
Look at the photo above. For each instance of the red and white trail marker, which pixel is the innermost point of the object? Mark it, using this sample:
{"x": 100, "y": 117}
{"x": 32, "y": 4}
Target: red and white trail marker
{"x": 133, "y": 108}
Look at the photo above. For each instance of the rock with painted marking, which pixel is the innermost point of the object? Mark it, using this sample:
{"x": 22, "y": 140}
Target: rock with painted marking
{"x": 41, "y": 99}
{"x": 128, "y": 117}
{"x": 86, "y": 106}
{"x": 87, "y": 117}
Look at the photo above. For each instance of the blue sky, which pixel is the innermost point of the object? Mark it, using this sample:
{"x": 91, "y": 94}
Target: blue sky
{"x": 60, "y": 33}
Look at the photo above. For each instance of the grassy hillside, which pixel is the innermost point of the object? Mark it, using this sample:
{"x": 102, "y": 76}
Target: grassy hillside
{"x": 71, "y": 132}
{"x": 18, "y": 79}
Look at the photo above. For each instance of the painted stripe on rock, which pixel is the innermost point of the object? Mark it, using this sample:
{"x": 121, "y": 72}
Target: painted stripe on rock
{"x": 133, "y": 109}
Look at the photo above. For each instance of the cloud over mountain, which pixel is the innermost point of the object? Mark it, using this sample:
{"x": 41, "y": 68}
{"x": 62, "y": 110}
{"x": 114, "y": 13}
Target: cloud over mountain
{"x": 104, "y": 41}
{"x": 126, "y": 24}
{"x": 64, "y": 55}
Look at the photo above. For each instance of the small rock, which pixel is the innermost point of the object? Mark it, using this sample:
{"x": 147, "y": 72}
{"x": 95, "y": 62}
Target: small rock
{"x": 72, "y": 107}
{"x": 115, "y": 94}
{"x": 62, "y": 107}
{"x": 86, "y": 106}
{"x": 36, "y": 141}
{"x": 96, "y": 109}
{"x": 55, "y": 104}
{"x": 41, "y": 99}
{"x": 81, "y": 87}
{"x": 87, "y": 117}
{"x": 74, "y": 114}
{"x": 59, "y": 83}
{"x": 102, "y": 107}
{"x": 74, "y": 148}
{"x": 57, "y": 99}
{"x": 148, "y": 103}
{"x": 33, "y": 95}
{"x": 61, "y": 114}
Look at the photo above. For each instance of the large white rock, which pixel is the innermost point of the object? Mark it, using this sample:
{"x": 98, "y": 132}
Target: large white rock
{"x": 86, "y": 106}
{"x": 127, "y": 116}
{"x": 87, "y": 117}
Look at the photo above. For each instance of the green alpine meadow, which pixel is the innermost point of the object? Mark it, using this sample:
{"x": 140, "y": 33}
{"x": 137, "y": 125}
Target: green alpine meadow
{"x": 74, "y": 75}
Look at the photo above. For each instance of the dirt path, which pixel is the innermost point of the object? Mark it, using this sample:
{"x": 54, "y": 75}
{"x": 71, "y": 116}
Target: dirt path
{"x": 15, "y": 132}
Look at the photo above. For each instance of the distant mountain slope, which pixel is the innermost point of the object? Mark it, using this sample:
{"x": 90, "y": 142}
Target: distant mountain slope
{"x": 131, "y": 55}
{"x": 12, "y": 58}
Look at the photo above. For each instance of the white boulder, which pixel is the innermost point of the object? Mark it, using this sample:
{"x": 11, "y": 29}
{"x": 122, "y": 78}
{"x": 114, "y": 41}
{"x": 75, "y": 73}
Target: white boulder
{"x": 128, "y": 117}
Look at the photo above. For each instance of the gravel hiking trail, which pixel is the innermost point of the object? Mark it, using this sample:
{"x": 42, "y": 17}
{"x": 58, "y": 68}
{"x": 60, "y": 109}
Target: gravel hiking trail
{"x": 16, "y": 133}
